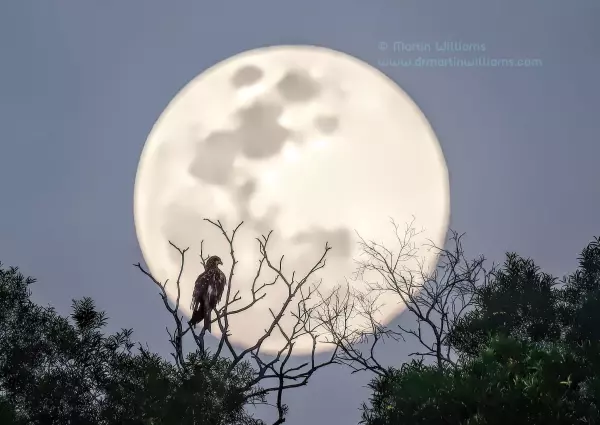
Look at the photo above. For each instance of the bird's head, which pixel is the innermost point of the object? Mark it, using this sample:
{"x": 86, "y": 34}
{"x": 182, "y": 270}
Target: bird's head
{"x": 213, "y": 261}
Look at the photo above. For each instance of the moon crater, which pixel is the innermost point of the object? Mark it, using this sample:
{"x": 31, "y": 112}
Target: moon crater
{"x": 298, "y": 86}
{"x": 246, "y": 76}
{"x": 327, "y": 124}
{"x": 259, "y": 132}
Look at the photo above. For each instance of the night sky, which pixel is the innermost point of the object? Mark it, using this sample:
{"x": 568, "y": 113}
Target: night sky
{"x": 82, "y": 83}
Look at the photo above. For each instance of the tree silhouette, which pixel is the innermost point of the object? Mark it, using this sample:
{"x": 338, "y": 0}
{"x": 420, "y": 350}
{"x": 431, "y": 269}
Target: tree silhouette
{"x": 528, "y": 354}
{"x": 277, "y": 373}
{"x": 520, "y": 301}
{"x": 510, "y": 382}
{"x": 57, "y": 370}
{"x": 435, "y": 298}
{"x": 67, "y": 370}
{"x": 508, "y": 344}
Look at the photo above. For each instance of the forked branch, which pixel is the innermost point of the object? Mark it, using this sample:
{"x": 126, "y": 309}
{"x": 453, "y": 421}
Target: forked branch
{"x": 435, "y": 297}
{"x": 301, "y": 303}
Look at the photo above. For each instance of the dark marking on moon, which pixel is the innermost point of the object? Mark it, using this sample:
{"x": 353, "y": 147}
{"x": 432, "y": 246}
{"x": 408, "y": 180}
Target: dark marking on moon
{"x": 246, "y": 76}
{"x": 327, "y": 124}
{"x": 339, "y": 239}
{"x": 260, "y": 135}
{"x": 243, "y": 197}
{"x": 263, "y": 225}
{"x": 298, "y": 86}
{"x": 214, "y": 157}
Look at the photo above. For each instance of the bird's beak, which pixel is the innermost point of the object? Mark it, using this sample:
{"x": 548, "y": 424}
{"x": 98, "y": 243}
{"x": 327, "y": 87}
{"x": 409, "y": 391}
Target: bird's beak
{"x": 220, "y": 263}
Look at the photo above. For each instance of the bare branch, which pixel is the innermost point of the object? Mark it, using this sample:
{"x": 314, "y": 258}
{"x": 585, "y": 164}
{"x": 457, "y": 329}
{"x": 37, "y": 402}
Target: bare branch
{"x": 435, "y": 298}
{"x": 175, "y": 338}
{"x": 301, "y": 303}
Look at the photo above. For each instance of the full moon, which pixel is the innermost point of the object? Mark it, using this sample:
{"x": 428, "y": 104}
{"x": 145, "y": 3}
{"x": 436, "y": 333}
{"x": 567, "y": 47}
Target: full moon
{"x": 309, "y": 142}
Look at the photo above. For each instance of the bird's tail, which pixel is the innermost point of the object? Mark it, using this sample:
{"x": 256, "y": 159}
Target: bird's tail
{"x": 194, "y": 319}
{"x": 207, "y": 321}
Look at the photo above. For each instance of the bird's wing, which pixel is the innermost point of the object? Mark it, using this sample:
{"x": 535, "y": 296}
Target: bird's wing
{"x": 199, "y": 288}
{"x": 221, "y": 283}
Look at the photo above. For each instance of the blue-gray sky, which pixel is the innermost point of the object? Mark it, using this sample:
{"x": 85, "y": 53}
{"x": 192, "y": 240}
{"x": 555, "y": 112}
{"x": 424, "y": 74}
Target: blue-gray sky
{"x": 81, "y": 84}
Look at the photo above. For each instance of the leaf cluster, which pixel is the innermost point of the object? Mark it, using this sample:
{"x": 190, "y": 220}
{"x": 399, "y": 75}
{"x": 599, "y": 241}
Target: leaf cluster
{"x": 529, "y": 354}
{"x": 59, "y": 370}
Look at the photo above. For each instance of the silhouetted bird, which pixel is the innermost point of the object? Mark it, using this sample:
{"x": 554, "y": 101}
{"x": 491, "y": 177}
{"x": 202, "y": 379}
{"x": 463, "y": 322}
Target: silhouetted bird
{"x": 208, "y": 291}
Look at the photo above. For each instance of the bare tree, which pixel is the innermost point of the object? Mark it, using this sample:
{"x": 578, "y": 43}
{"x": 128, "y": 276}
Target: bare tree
{"x": 277, "y": 372}
{"x": 434, "y": 297}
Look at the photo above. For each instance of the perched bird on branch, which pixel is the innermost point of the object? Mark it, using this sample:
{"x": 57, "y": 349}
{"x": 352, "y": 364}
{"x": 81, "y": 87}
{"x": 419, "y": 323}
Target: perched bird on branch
{"x": 208, "y": 291}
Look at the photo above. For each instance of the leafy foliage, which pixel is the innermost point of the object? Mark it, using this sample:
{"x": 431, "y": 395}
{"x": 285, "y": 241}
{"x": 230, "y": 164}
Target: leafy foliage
{"x": 509, "y": 382}
{"x": 580, "y": 299}
{"x": 520, "y": 301}
{"x": 59, "y": 371}
{"x": 529, "y": 355}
